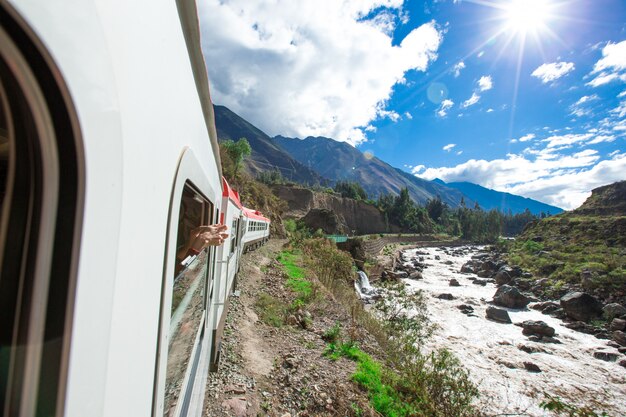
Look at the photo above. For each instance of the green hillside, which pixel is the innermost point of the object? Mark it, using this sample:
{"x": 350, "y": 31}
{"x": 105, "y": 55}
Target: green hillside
{"x": 582, "y": 249}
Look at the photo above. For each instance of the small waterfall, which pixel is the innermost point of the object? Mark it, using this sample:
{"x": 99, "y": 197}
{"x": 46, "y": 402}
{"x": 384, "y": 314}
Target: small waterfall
{"x": 366, "y": 292}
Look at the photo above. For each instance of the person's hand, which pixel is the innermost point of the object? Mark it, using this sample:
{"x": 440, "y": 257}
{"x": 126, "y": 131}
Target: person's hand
{"x": 204, "y": 236}
{"x": 201, "y": 237}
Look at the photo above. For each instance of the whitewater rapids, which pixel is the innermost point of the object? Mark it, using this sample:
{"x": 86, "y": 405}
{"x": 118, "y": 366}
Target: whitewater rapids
{"x": 490, "y": 350}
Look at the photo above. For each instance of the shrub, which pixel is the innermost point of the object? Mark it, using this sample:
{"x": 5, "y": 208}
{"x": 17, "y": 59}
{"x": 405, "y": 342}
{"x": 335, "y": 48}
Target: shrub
{"x": 271, "y": 310}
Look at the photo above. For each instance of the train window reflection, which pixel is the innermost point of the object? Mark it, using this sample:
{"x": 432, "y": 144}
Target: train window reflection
{"x": 188, "y": 311}
{"x": 4, "y": 148}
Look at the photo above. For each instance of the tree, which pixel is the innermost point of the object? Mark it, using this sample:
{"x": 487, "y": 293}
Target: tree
{"x": 237, "y": 151}
{"x": 436, "y": 209}
{"x": 351, "y": 189}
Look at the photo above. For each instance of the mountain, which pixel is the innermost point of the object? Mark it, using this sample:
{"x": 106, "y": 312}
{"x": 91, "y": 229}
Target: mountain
{"x": 491, "y": 199}
{"x": 583, "y": 249}
{"x": 341, "y": 161}
{"x": 266, "y": 155}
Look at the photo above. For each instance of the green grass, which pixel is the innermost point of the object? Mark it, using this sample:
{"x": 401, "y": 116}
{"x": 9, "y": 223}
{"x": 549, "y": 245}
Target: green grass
{"x": 296, "y": 279}
{"x": 271, "y": 310}
{"x": 370, "y": 375}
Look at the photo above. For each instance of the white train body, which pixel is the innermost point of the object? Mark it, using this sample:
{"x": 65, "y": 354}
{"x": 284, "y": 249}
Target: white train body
{"x": 125, "y": 163}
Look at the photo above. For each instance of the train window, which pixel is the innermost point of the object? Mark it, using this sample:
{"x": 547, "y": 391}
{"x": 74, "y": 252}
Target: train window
{"x": 233, "y": 234}
{"x": 190, "y": 285}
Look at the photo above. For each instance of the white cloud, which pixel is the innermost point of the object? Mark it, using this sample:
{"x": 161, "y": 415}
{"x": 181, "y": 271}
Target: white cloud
{"x": 444, "y": 107}
{"x": 611, "y": 66}
{"x": 605, "y": 78}
{"x": 449, "y": 147}
{"x": 298, "y": 69}
{"x": 620, "y": 110}
{"x": 525, "y": 138}
{"x": 417, "y": 169}
{"x": 392, "y": 115}
{"x": 566, "y": 141}
{"x": 622, "y": 94}
{"x": 580, "y": 108}
{"x": 408, "y": 115}
{"x": 471, "y": 101}
{"x": 457, "y": 68}
{"x": 551, "y": 72}
{"x": 459, "y": 152}
{"x": 564, "y": 181}
{"x": 485, "y": 83}
{"x": 489, "y": 110}
{"x": 613, "y": 58}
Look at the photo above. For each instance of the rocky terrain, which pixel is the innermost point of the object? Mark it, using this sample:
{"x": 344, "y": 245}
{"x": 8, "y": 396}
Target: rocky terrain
{"x": 332, "y": 213}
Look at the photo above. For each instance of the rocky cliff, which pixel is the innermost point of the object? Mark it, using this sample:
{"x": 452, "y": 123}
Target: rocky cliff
{"x": 332, "y": 213}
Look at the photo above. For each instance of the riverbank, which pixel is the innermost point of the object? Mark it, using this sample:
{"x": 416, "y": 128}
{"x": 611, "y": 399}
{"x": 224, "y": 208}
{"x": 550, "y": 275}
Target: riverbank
{"x": 514, "y": 372}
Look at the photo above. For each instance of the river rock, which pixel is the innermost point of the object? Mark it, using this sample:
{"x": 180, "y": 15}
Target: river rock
{"x": 482, "y": 282}
{"x": 497, "y": 314}
{"x": 581, "y": 306}
{"x": 622, "y": 363}
{"x": 606, "y": 356}
{"x": 445, "y": 296}
{"x": 467, "y": 268}
{"x": 620, "y": 337}
{"x": 415, "y": 275}
{"x": 618, "y": 324}
{"x": 511, "y": 297}
{"x": 502, "y": 277}
{"x": 539, "y": 328}
{"x": 531, "y": 367}
{"x": 465, "y": 309}
{"x": 613, "y": 310}
{"x": 454, "y": 283}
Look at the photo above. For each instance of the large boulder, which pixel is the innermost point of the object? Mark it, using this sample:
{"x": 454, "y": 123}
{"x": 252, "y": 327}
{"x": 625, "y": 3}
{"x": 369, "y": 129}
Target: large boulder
{"x": 497, "y": 314}
{"x": 618, "y": 324}
{"x": 511, "y": 297}
{"x": 539, "y": 328}
{"x": 581, "y": 306}
{"x": 620, "y": 337}
{"x": 613, "y": 310}
{"x": 502, "y": 277}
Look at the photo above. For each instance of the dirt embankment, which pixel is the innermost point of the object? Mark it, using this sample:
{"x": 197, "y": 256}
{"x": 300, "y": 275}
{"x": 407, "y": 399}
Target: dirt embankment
{"x": 281, "y": 371}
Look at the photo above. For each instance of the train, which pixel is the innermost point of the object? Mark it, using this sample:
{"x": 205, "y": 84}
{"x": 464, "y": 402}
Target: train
{"x": 108, "y": 159}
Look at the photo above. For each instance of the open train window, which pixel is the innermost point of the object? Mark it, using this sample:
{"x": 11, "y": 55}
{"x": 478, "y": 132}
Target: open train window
{"x": 40, "y": 205}
{"x": 189, "y": 296}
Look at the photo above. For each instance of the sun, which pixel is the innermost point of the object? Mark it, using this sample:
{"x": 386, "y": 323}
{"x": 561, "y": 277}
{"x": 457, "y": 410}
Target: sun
{"x": 526, "y": 15}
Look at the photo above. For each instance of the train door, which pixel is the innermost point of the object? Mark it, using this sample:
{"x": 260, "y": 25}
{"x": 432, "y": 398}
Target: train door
{"x": 188, "y": 282}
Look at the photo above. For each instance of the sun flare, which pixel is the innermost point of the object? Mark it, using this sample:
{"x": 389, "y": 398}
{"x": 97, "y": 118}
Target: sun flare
{"x": 527, "y": 15}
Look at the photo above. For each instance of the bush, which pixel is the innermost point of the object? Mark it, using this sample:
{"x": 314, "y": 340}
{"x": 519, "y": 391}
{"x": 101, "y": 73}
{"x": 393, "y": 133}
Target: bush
{"x": 271, "y": 310}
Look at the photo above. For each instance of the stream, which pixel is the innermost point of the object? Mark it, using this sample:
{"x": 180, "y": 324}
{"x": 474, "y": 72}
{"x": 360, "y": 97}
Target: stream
{"x": 492, "y": 351}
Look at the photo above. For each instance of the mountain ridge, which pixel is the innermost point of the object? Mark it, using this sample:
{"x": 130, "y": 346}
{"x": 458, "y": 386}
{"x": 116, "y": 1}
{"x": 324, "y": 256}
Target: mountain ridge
{"x": 375, "y": 176}
{"x": 489, "y": 199}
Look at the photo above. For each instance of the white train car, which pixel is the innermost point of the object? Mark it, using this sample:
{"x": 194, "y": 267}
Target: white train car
{"x": 257, "y": 229}
{"x": 108, "y": 158}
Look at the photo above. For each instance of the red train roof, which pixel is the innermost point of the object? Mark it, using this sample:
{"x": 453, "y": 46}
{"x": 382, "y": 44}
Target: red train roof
{"x": 254, "y": 214}
{"x": 229, "y": 192}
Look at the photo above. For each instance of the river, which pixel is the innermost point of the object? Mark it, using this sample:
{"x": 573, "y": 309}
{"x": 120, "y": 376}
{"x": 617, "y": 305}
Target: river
{"x": 491, "y": 351}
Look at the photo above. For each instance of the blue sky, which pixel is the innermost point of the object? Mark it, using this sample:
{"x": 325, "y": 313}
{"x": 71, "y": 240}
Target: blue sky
{"x": 529, "y": 100}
